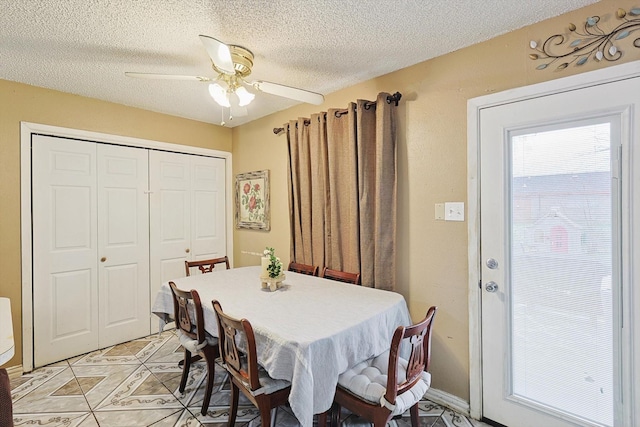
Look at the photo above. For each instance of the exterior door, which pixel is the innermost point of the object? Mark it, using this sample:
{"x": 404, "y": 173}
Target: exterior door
{"x": 123, "y": 243}
{"x": 553, "y": 180}
{"x": 65, "y": 231}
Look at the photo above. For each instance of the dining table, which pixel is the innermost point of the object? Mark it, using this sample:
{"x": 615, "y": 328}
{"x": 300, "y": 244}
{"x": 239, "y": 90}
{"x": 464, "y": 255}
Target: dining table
{"x": 308, "y": 331}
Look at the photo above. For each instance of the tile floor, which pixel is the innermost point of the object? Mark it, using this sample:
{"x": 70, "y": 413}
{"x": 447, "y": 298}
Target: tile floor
{"x": 136, "y": 384}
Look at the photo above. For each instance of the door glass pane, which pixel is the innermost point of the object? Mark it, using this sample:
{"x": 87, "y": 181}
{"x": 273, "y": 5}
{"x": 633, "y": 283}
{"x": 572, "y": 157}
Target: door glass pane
{"x": 561, "y": 270}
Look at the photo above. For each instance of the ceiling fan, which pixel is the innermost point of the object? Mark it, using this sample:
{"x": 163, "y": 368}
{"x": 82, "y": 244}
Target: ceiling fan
{"x": 233, "y": 64}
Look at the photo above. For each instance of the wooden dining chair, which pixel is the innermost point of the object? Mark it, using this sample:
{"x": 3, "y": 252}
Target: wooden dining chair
{"x": 311, "y": 270}
{"x": 246, "y": 375}
{"x": 205, "y": 265}
{"x": 341, "y": 276}
{"x": 387, "y": 385}
{"x": 187, "y": 310}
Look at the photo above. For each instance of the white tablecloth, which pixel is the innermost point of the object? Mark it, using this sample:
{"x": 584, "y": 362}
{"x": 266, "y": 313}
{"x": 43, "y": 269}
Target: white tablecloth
{"x": 308, "y": 332}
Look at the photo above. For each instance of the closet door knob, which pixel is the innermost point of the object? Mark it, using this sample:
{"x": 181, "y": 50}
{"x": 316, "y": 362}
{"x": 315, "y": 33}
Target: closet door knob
{"x": 187, "y": 250}
{"x": 103, "y": 259}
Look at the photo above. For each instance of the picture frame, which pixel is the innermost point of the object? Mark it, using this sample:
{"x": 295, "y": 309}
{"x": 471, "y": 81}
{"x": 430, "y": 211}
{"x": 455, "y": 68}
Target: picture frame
{"x": 252, "y": 201}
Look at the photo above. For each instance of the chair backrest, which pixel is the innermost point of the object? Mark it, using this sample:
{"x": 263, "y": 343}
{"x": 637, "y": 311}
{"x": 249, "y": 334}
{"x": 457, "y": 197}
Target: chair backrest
{"x": 341, "y": 276}
{"x": 242, "y": 365}
{"x": 205, "y": 265}
{"x": 311, "y": 270}
{"x": 188, "y": 314}
{"x": 418, "y": 336}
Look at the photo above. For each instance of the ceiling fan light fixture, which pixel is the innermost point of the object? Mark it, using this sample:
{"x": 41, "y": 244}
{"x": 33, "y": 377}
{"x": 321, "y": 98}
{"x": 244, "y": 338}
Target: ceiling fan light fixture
{"x": 233, "y": 64}
{"x": 244, "y": 96}
{"x": 219, "y": 94}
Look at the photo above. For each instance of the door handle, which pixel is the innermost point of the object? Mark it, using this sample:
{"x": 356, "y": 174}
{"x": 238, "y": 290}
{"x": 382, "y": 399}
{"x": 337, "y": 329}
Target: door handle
{"x": 187, "y": 250}
{"x": 491, "y": 287}
{"x": 103, "y": 259}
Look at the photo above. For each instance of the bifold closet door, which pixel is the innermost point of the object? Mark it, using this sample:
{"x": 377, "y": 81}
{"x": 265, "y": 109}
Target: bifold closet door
{"x": 90, "y": 246}
{"x": 123, "y": 243}
{"x": 65, "y": 250}
{"x": 187, "y": 214}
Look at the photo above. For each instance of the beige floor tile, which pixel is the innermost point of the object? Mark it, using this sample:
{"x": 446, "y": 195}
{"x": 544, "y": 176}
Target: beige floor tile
{"x": 116, "y": 355}
{"x": 31, "y": 381}
{"x": 61, "y": 419}
{"x": 90, "y": 421}
{"x": 170, "y": 374}
{"x": 140, "y": 390}
{"x": 166, "y": 349}
{"x": 136, "y": 384}
{"x": 59, "y": 393}
{"x": 98, "y": 382}
{"x": 220, "y": 414}
{"x": 453, "y": 419}
{"x": 136, "y": 418}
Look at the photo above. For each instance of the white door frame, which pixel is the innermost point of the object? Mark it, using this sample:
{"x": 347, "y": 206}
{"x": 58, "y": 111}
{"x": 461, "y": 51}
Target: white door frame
{"x": 474, "y": 106}
{"x": 26, "y": 129}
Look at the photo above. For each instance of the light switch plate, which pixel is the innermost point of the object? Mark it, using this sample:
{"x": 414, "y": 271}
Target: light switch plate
{"x": 454, "y": 211}
{"x": 440, "y": 211}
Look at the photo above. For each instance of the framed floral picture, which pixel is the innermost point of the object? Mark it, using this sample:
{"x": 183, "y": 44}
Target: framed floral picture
{"x": 252, "y": 200}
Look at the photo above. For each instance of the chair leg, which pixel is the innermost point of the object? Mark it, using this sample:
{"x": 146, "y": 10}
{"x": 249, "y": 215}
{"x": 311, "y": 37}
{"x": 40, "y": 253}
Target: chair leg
{"x": 211, "y": 364}
{"x": 233, "y": 409}
{"x": 322, "y": 418}
{"x": 335, "y": 415}
{"x": 265, "y": 416}
{"x": 185, "y": 370}
{"x": 6, "y": 409}
{"x": 380, "y": 420}
{"x": 415, "y": 420}
{"x": 193, "y": 359}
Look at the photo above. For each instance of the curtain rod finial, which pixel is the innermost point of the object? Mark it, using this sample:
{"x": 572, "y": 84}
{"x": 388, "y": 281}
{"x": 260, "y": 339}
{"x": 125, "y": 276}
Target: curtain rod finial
{"x": 395, "y": 98}
{"x": 278, "y": 131}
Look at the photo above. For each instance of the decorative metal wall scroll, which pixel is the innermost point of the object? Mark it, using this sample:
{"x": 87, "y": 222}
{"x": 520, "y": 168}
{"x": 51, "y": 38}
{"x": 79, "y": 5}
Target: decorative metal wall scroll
{"x": 592, "y": 42}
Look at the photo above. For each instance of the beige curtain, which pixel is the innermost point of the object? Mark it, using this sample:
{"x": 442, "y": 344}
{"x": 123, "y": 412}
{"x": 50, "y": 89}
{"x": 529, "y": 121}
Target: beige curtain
{"x": 342, "y": 198}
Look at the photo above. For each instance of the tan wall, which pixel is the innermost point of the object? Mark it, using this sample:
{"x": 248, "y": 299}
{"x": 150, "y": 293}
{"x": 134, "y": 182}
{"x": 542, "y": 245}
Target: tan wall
{"x": 432, "y": 168}
{"x": 19, "y": 102}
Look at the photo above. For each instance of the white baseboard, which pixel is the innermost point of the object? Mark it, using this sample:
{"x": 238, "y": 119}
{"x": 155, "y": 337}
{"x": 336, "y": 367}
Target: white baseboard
{"x": 14, "y": 372}
{"x": 448, "y": 400}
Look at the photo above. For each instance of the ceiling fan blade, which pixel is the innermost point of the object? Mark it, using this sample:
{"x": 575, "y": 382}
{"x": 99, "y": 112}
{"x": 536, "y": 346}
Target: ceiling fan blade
{"x": 166, "y": 76}
{"x": 289, "y": 92}
{"x": 220, "y": 54}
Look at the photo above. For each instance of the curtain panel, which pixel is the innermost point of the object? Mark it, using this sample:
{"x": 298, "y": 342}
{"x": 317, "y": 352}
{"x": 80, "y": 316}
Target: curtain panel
{"x": 342, "y": 190}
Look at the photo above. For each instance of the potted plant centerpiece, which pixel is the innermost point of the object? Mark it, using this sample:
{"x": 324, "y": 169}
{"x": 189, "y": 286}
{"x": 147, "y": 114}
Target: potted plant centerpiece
{"x": 271, "y": 275}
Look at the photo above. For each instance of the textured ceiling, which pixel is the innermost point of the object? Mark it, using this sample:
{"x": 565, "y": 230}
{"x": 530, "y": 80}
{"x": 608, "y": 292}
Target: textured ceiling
{"x": 85, "y": 46}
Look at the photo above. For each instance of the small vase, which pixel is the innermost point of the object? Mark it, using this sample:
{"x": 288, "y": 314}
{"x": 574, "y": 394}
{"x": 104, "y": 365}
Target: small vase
{"x": 272, "y": 283}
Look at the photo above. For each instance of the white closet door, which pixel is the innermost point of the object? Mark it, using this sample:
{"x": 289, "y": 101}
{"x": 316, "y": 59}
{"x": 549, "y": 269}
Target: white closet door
{"x": 65, "y": 291}
{"x": 208, "y": 220}
{"x": 123, "y": 243}
{"x": 170, "y": 216}
{"x": 187, "y": 213}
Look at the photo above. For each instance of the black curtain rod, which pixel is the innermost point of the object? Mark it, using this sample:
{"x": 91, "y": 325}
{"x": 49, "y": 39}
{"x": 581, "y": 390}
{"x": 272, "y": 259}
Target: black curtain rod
{"x": 395, "y": 98}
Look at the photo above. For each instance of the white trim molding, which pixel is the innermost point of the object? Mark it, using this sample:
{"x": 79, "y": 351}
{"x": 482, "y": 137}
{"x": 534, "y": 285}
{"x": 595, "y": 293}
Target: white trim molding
{"x": 14, "y": 372}
{"x": 447, "y": 400}
{"x": 474, "y": 107}
{"x": 26, "y": 130}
